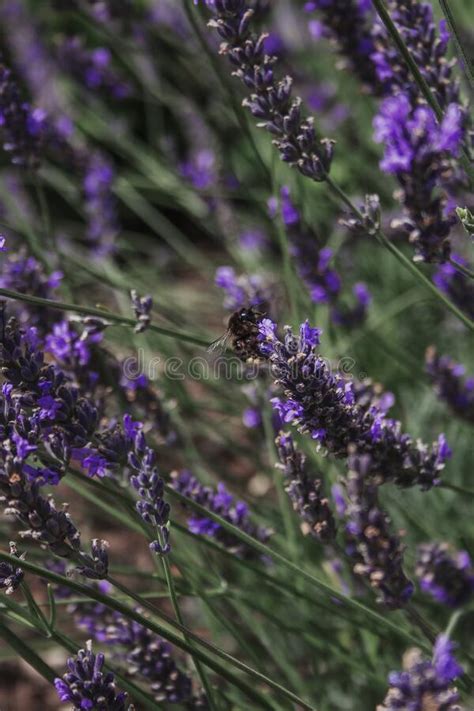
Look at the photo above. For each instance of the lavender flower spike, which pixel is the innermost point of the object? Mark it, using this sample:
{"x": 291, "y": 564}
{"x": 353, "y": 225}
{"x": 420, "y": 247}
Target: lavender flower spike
{"x": 11, "y": 577}
{"x": 376, "y": 552}
{"x": 425, "y": 684}
{"x": 270, "y": 101}
{"x": 142, "y": 306}
{"x": 86, "y": 686}
{"x": 152, "y": 507}
{"x": 223, "y": 504}
{"x": 447, "y": 575}
{"x": 323, "y": 404}
{"x": 305, "y": 492}
{"x": 450, "y": 384}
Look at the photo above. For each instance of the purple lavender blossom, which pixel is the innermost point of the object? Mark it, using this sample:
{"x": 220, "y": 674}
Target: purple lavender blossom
{"x": 100, "y": 204}
{"x": 21, "y": 126}
{"x": 144, "y": 655}
{"x": 420, "y": 153}
{"x": 428, "y": 47}
{"x": 313, "y": 262}
{"x": 350, "y": 24}
{"x": 142, "y": 306}
{"x": 450, "y": 384}
{"x": 224, "y": 505}
{"x": 270, "y": 101}
{"x": 425, "y": 683}
{"x": 322, "y": 404}
{"x": 152, "y": 506}
{"x": 200, "y": 169}
{"x": 306, "y": 493}
{"x": 445, "y": 574}
{"x": 23, "y": 273}
{"x": 11, "y": 577}
{"x": 86, "y": 686}
{"x": 456, "y": 285}
{"x": 92, "y": 67}
{"x": 377, "y": 553}
{"x": 244, "y": 290}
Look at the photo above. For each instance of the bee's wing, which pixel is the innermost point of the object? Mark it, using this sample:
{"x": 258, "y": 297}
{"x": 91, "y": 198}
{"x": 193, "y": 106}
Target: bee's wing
{"x": 219, "y": 344}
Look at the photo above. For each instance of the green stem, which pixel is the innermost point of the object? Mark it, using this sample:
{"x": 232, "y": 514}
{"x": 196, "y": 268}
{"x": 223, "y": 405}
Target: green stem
{"x": 26, "y": 653}
{"x": 295, "y": 569}
{"x": 404, "y": 51}
{"x": 177, "y": 611}
{"x": 165, "y": 632}
{"x": 36, "y": 612}
{"x": 222, "y": 77}
{"x": 407, "y": 263}
{"x": 466, "y": 61}
{"x": 457, "y": 489}
{"x": 461, "y": 268}
{"x": 212, "y": 648}
{"x": 100, "y": 313}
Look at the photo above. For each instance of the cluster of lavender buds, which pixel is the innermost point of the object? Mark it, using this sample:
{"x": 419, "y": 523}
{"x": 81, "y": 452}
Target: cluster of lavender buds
{"x": 420, "y": 152}
{"x": 200, "y": 169}
{"x": 23, "y": 273}
{"x": 144, "y": 655}
{"x": 429, "y": 48}
{"x": 10, "y": 576}
{"x": 270, "y": 101}
{"x": 446, "y": 574}
{"x": 92, "y": 67}
{"x": 224, "y": 505}
{"x": 44, "y": 413}
{"x": 142, "y": 306}
{"x": 305, "y": 492}
{"x": 152, "y": 507}
{"x": 456, "y": 285}
{"x": 87, "y": 686}
{"x": 322, "y": 403}
{"x": 376, "y": 552}
{"x": 21, "y": 126}
{"x": 350, "y": 25}
{"x": 244, "y": 290}
{"x": 425, "y": 684}
{"x": 99, "y": 203}
{"x": 313, "y": 264}
{"x": 52, "y": 528}
{"x": 450, "y": 384}
{"x": 141, "y": 393}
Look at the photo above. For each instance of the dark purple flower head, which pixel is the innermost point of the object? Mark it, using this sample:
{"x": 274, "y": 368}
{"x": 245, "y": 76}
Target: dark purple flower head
{"x": 23, "y": 273}
{"x": 420, "y": 153}
{"x": 21, "y": 127}
{"x": 450, "y": 384}
{"x": 349, "y": 22}
{"x": 445, "y": 574}
{"x": 270, "y": 100}
{"x": 376, "y": 552}
{"x": 11, "y": 577}
{"x": 92, "y": 67}
{"x": 425, "y": 684}
{"x": 95, "y": 565}
{"x": 305, "y": 492}
{"x": 144, "y": 655}
{"x": 244, "y": 290}
{"x": 142, "y": 306}
{"x": 146, "y": 480}
{"x": 99, "y": 203}
{"x": 86, "y": 686}
{"x": 222, "y": 503}
{"x": 323, "y": 404}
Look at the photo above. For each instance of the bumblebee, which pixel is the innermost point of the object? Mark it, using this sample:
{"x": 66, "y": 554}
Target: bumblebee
{"x": 242, "y": 332}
